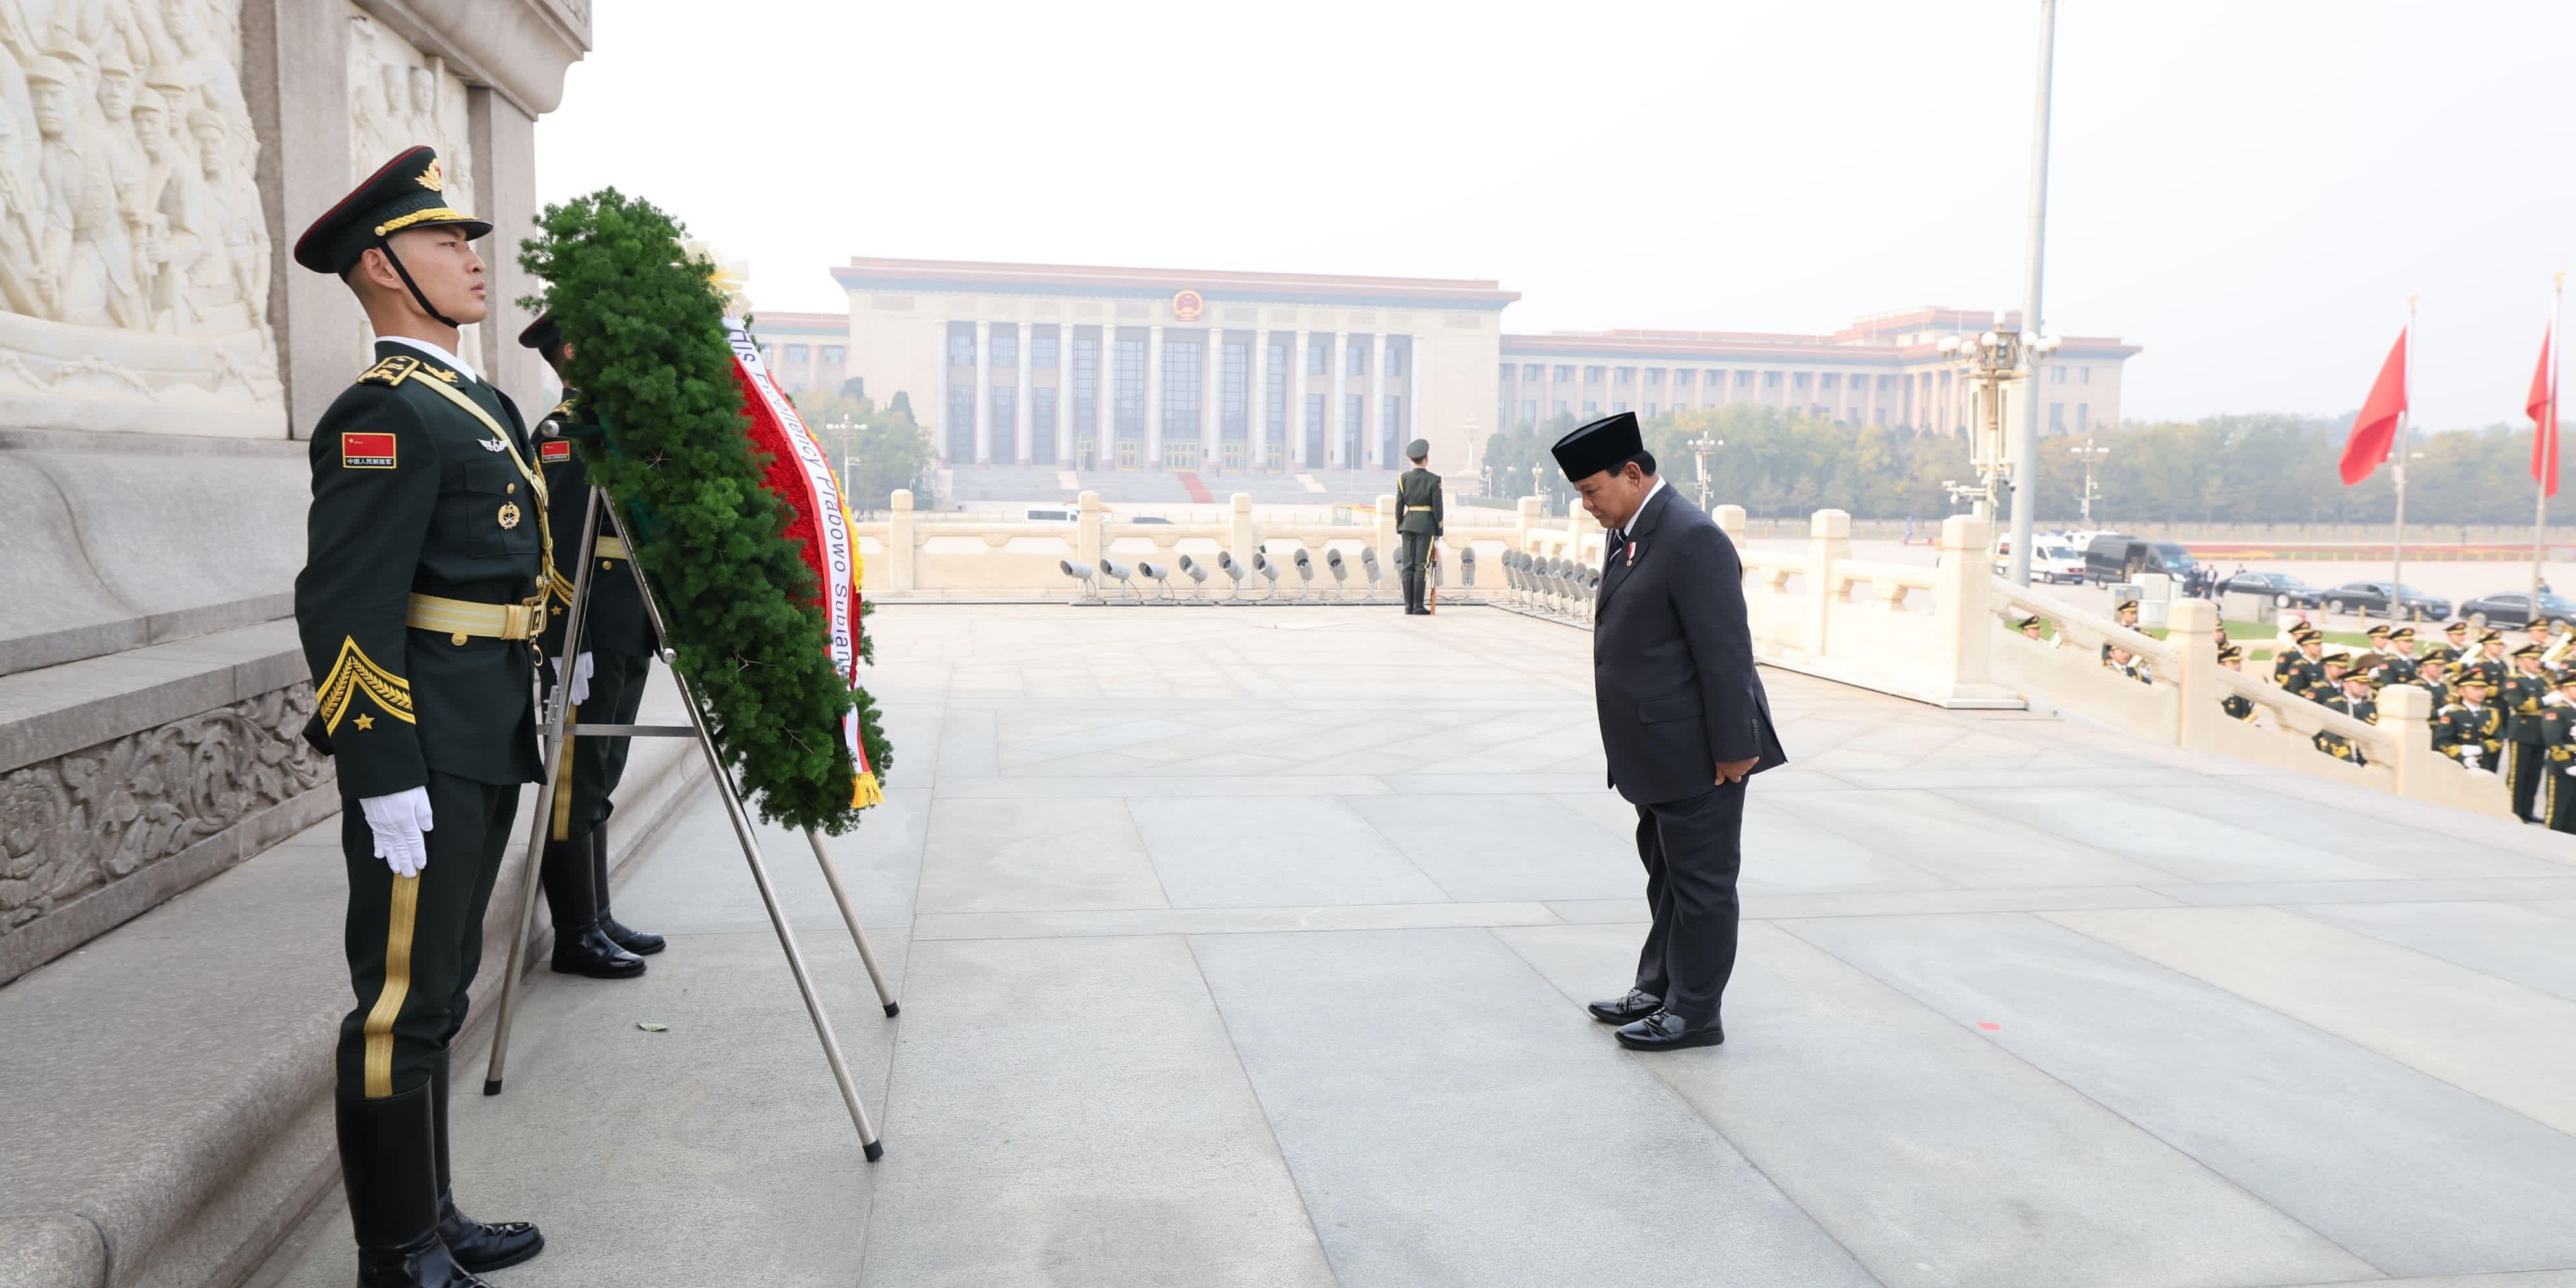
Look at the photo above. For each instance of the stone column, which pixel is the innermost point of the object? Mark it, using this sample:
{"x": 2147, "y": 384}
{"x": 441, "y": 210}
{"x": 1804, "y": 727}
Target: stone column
{"x": 898, "y": 552}
{"x": 1064, "y": 395}
{"x": 1105, "y": 426}
{"x": 1966, "y": 583}
{"x": 1383, "y": 529}
{"x": 1828, "y": 543}
{"x": 1020, "y": 429}
{"x": 1297, "y": 431}
{"x": 295, "y": 81}
{"x": 1241, "y": 540}
{"x": 1257, "y": 427}
{"x": 1087, "y": 545}
{"x": 1730, "y": 520}
{"x": 1153, "y": 398}
{"x": 2191, "y": 627}
{"x": 1413, "y": 398}
{"x": 1334, "y": 431}
{"x": 1211, "y": 397}
{"x": 504, "y": 142}
{"x": 1524, "y": 518}
{"x": 983, "y": 393}
{"x": 2406, "y": 711}
{"x": 1373, "y": 416}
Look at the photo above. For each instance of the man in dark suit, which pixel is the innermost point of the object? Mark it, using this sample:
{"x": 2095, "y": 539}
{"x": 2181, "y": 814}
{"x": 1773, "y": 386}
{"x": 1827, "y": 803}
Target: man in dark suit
{"x": 1684, "y": 723}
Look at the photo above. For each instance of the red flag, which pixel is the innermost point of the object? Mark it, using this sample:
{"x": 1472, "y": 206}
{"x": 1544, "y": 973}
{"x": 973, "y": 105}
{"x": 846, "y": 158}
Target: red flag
{"x": 2542, "y": 407}
{"x": 2375, "y": 429}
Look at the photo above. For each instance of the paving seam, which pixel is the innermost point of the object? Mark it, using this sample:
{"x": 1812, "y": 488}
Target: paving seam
{"x": 1945, "y": 793}
{"x": 1322, "y": 1247}
{"x": 1398, "y": 849}
{"x": 2079, "y": 1093}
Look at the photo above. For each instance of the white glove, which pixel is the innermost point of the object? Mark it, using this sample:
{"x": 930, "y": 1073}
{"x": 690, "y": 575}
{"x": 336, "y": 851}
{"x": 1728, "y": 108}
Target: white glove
{"x": 2469, "y": 757}
{"x": 398, "y": 820}
{"x": 580, "y": 692}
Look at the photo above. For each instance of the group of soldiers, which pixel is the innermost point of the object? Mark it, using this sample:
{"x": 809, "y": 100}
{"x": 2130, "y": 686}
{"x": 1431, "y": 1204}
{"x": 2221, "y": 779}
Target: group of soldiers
{"x": 433, "y": 613}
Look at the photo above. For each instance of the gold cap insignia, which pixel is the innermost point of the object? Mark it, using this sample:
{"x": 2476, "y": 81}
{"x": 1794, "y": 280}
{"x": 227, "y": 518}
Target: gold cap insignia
{"x": 431, "y": 178}
{"x": 509, "y": 514}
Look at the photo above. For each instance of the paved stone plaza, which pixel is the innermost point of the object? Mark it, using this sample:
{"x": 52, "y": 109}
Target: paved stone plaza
{"x": 1248, "y": 947}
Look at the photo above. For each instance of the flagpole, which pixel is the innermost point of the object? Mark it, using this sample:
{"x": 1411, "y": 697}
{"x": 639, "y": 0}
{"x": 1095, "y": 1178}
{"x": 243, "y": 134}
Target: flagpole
{"x": 2397, "y": 562}
{"x": 2548, "y": 432}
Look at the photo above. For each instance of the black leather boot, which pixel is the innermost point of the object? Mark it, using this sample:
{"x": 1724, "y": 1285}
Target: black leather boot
{"x": 386, "y": 1161}
{"x": 581, "y": 947}
{"x": 639, "y": 942}
{"x": 477, "y": 1246}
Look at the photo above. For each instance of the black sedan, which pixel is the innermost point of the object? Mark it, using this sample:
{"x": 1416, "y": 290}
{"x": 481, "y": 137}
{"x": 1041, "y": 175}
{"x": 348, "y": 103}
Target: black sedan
{"x": 2513, "y": 608}
{"x": 2371, "y": 599}
{"x": 2281, "y": 588}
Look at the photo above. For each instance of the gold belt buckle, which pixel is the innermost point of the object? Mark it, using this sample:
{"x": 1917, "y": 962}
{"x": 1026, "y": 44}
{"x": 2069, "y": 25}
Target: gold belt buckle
{"x": 523, "y": 617}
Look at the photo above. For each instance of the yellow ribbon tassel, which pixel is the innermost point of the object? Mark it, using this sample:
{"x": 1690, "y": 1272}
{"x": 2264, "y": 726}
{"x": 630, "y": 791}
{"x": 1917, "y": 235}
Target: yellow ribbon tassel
{"x": 865, "y": 792}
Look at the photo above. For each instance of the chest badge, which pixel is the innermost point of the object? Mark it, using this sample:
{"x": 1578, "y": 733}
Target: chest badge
{"x": 509, "y": 514}
{"x": 493, "y": 445}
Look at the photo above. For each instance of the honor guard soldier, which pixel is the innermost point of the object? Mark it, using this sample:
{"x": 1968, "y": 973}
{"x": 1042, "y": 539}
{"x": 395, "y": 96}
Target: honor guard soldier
{"x": 2358, "y": 701}
{"x": 423, "y": 584}
{"x": 2558, "y": 733}
{"x": 2033, "y": 627}
{"x": 2521, "y": 697}
{"x": 2378, "y": 638}
{"x": 1418, "y": 524}
{"x": 2490, "y": 662}
{"x": 2236, "y": 705}
{"x": 2335, "y": 666}
{"x": 608, "y": 675}
{"x": 2303, "y": 674}
{"x": 2456, "y": 645}
{"x": 2433, "y": 676}
{"x": 2127, "y": 615}
{"x": 2470, "y": 731}
{"x": 2398, "y": 661}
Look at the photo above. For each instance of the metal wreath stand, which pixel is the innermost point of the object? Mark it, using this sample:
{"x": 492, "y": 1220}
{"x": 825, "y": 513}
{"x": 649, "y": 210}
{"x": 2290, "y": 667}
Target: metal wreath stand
{"x": 558, "y": 735}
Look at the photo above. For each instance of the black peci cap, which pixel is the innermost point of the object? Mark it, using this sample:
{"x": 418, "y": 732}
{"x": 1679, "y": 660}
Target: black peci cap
{"x": 1605, "y": 444}
{"x": 406, "y": 193}
{"x": 541, "y": 334}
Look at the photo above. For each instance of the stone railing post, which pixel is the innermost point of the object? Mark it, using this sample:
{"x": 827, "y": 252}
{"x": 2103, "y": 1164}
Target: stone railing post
{"x": 1578, "y": 525}
{"x": 1828, "y": 543}
{"x": 1242, "y": 540}
{"x": 1730, "y": 520}
{"x": 1382, "y": 528}
{"x": 1088, "y": 546}
{"x": 2191, "y": 627}
{"x": 899, "y": 552}
{"x": 2406, "y": 712}
{"x": 1525, "y": 519}
{"x": 1962, "y": 605}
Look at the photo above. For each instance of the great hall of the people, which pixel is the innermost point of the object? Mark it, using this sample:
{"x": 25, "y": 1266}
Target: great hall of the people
{"x": 1144, "y": 368}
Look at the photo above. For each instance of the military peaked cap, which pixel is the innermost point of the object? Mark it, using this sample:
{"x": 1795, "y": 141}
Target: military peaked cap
{"x": 541, "y": 334}
{"x": 1605, "y": 444}
{"x": 2402, "y": 633}
{"x": 2528, "y": 650}
{"x": 2231, "y": 653}
{"x": 2127, "y": 606}
{"x": 1418, "y": 448}
{"x": 406, "y": 193}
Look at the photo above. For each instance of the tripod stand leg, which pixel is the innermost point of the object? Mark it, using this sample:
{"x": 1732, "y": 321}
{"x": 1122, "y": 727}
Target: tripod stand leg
{"x": 850, "y": 915}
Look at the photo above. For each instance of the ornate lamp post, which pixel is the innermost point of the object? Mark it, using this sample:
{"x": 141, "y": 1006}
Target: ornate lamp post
{"x": 1700, "y": 449}
{"x": 2091, "y": 456}
{"x": 1538, "y": 477}
{"x": 1992, "y": 360}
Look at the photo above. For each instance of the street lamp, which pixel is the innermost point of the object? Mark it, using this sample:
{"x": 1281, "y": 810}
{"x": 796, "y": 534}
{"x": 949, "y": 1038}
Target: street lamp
{"x": 1538, "y": 488}
{"x": 2091, "y": 456}
{"x": 1992, "y": 360}
{"x": 1700, "y": 449}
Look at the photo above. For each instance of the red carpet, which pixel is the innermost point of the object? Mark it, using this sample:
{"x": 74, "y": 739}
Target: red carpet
{"x": 1198, "y": 491}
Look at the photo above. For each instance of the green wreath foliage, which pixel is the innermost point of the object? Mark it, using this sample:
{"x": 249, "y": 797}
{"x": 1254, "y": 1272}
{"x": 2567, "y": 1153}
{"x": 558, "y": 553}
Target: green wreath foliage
{"x": 646, "y": 326}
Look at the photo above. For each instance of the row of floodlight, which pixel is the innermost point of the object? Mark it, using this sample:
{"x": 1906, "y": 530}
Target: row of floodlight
{"x": 1262, "y": 567}
{"x": 1562, "y": 587}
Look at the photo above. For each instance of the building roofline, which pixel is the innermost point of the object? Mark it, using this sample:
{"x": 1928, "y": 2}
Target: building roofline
{"x": 1720, "y": 346}
{"x": 863, "y": 273}
{"x": 766, "y": 318}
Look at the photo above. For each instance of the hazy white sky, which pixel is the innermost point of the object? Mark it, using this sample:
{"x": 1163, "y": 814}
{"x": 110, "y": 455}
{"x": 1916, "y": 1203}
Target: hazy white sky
{"x": 2248, "y": 188}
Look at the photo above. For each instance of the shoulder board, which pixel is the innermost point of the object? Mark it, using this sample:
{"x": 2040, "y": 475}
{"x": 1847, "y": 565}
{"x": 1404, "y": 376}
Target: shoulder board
{"x": 389, "y": 371}
{"x": 563, "y": 410}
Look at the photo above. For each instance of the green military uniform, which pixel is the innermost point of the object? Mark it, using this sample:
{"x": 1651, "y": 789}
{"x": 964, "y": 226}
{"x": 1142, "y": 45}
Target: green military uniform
{"x": 2457, "y": 647}
{"x": 2305, "y": 677}
{"x": 2521, "y": 697}
{"x": 2461, "y": 727}
{"x": 2363, "y": 709}
{"x": 424, "y": 581}
{"x": 618, "y": 638}
{"x": 2558, "y": 756}
{"x": 2236, "y": 705}
{"x": 2492, "y": 669}
{"x": 1418, "y": 523}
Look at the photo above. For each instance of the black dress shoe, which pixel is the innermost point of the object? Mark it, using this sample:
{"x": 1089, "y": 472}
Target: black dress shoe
{"x": 478, "y": 1246}
{"x": 1637, "y": 1005}
{"x": 642, "y": 943}
{"x": 587, "y": 950}
{"x": 1665, "y": 1031}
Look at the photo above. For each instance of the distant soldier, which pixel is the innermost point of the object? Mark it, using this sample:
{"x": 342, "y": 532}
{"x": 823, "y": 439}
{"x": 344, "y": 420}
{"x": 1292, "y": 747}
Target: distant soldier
{"x": 2358, "y": 701}
{"x": 2490, "y": 662}
{"x": 2303, "y": 673}
{"x": 2433, "y": 676}
{"x": 2521, "y": 697}
{"x": 2470, "y": 731}
{"x": 2335, "y": 666}
{"x": 2400, "y": 660}
{"x": 2033, "y": 627}
{"x": 1418, "y": 522}
{"x": 2378, "y": 637}
{"x": 2236, "y": 705}
{"x": 2558, "y": 733}
{"x": 2127, "y": 615}
{"x": 2456, "y": 645}
{"x": 2120, "y": 661}
{"x": 2562, "y": 644}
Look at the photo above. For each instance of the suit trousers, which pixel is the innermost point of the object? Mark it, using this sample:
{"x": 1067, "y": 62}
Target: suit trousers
{"x": 414, "y": 943}
{"x": 1414, "y": 565}
{"x": 1692, "y": 849}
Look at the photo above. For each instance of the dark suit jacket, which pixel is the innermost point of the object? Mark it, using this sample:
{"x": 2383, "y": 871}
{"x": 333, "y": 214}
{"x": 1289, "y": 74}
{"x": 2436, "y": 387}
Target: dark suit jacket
{"x": 1672, "y": 658}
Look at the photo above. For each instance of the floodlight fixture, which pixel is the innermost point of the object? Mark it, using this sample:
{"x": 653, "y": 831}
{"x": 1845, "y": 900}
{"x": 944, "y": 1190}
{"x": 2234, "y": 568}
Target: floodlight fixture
{"x": 1340, "y": 568}
{"x": 1467, "y": 567}
{"x": 1368, "y": 564}
{"x": 1160, "y": 573}
{"x": 1121, "y": 572}
{"x": 1081, "y": 572}
{"x": 1196, "y": 571}
{"x": 1268, "y": 567}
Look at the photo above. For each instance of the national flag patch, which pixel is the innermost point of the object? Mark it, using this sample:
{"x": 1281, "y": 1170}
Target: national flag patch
{"x": 366, "y": 451}
{"x": 554, "y": 451}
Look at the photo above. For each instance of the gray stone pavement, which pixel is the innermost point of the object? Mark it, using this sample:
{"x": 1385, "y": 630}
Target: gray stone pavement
{"x": 1247, "y": 947}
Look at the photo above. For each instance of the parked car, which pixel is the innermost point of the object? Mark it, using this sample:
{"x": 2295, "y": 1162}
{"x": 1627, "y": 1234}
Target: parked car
{"x": 2051, "y": 562}
{"x": 2284, "y": 590}
{"x": 2117, "y": 556}
{"x": 1052, "y": 514}
{"x": 1149, "y": 518}
{"x": 2371, "y": 599}
{"x": 2513, "y": 608}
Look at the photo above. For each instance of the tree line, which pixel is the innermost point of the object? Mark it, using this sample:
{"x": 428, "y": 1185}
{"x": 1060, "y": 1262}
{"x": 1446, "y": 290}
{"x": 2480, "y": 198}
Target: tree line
{"x": 2263, "y": 468}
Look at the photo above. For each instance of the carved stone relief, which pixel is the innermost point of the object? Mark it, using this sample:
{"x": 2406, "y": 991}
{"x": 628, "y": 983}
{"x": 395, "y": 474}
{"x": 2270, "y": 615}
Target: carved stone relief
{"x": 81, "y": 822}
{"x": 134, "y": 257}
